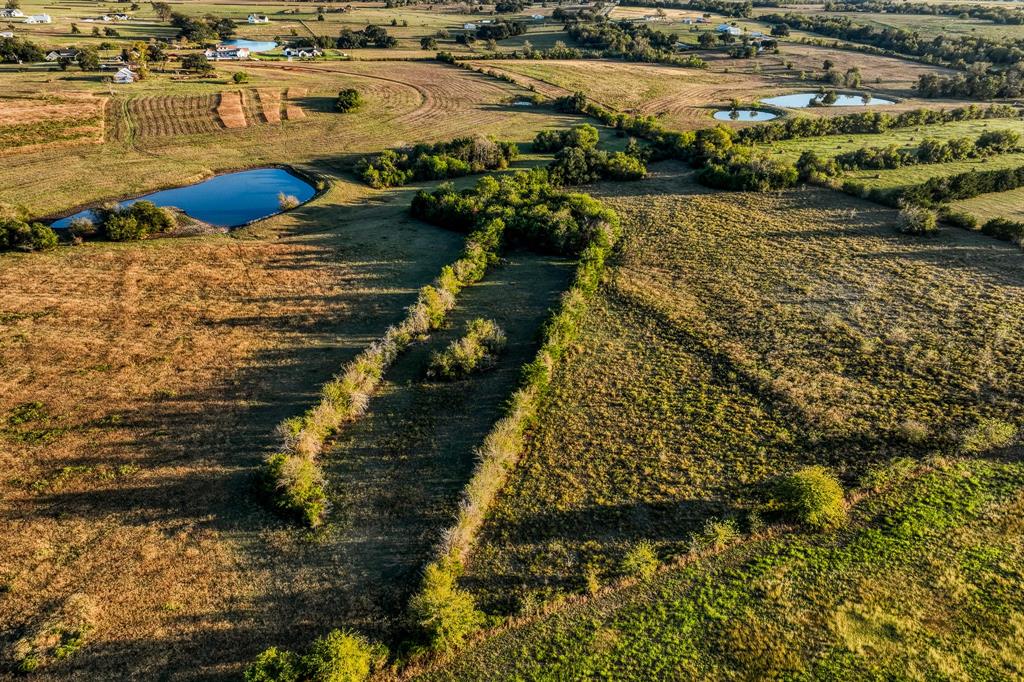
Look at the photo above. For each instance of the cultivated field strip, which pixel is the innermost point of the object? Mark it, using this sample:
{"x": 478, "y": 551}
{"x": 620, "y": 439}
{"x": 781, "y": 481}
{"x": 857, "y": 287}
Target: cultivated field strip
{"x": 165, "y": 116}
{"x": 231, "y": 110}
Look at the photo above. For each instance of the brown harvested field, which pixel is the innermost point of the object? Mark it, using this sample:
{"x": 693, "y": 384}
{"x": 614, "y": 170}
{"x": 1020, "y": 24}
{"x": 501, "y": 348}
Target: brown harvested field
{"x": 140, "y": 387}
{"x": 270, "y": 104}
{"x": 163, "y": 116}
{"x": 30, "y": 124}
{"x": 231, "y": 110}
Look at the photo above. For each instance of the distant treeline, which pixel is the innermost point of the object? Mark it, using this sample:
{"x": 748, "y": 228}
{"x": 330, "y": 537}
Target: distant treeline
{"x": 957, "y": 51}
{"x": 998, "y": 15}
{"x": 931, "y": 151}
{"x": 634, "y": 42}
{"x": 868, "y": 122}
{"x": 461, "y": 156}
{"x": 974, "y": 85}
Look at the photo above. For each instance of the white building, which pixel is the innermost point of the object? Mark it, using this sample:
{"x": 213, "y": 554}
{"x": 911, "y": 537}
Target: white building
{"x": 259, "y": 19}
{"x": 11, "y": 13}
{"x": 227, "y": 53}
{"x": 6, "y": 34}
{"x": 302, "y": 52}
{"x": 537, "y": 17}
{"x": 124, "y": 75}
{"x": 731, "y": 30}
{"x": 469, "y": 27}
{"x": 55, "y": 55}
{"x": 39, "y": 19}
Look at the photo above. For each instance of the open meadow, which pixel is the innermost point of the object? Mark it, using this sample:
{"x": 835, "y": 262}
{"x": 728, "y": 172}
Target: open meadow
{"x": 467, "y": 343}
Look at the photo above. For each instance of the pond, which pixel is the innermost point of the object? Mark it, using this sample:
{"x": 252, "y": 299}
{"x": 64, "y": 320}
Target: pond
{"x": 744, "y": 115}
{"x": 253, "y": 45}
{"x": 228, "y": 200}
{"x": 802, "y": 100}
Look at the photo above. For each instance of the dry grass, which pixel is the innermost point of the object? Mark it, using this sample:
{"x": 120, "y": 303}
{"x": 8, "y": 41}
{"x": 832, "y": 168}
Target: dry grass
{"x": 163, "y": 116}
{"x": 29, "y": 124}
{"x": 270, "y": 104}
{"x": 230, "y": 110}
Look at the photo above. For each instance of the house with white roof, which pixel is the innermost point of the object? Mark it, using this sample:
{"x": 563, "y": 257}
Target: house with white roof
{"x": 39, "y": 19}
{"x": 124, "y": 75}
{"x": 259, "y": 19}
{"x": 227, "y": 53}
{"x": 302, "y": 52}
{"x": 731, "y": 30}
{"x": 11, "y": 13}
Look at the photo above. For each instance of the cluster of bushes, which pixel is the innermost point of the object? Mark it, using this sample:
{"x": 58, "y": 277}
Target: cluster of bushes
{"x": 811, "y": 496}
{"x": 930, "y": 151}
{"x": 500, "y": 30}
{"x": 118, "y": 223}
{"x": 348, "y": 100}
{"x": 476, "y": 351}
{"x": 202, "y": 29}
{"x": 742, "y": 168}
{"x": 919, "y": 221}
{"x": 462, "y": 156}
{"x": 957, "y": 51}
{"x": 533, "y": 210}
{"x": 584, "y": 135}
{"x": 633, "y": 42}
{"x": 1007, "y": 230}
{"x": 583, "y": 165}
{"x": 371, "y": 36}
{"x": 974, "y": 85}
{"x": 291, "y": 480}
{"x": 19, "y": 233}
{"x": 19, "y": 51}
{"x": 868, "y": 122}
{"x": 526, "y": 202}
{"x": 339, "y": 655}
{"x": 997, "y": 15}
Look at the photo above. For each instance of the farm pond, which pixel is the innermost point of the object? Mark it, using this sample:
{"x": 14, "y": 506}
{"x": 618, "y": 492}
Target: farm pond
{"x": 802, "y": 100}
{"x": 743, "y": 115}
{"x": 228, "y": 200}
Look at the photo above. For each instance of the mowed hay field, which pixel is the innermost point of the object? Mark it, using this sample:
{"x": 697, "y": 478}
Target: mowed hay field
{"x": 740, "y": 336}
{"x": 139, "y": 388}
{"x": 32, "y": 123}
{"x": 405, "y": 103}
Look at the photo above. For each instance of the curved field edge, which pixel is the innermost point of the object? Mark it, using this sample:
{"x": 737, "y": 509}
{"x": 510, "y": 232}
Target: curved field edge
{"x": 922, "y": 581}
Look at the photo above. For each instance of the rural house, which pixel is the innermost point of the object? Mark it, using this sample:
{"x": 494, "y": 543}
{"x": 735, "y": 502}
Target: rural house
{"x": 259, "y": 19}
{"x": 302, "y": 52}
{"x": 469, "y": 26}
{"x": 731, "y": 30}
{"x": 54, "y": 55}
{"x": 39, "y": 19}
{"x": 124, "y": 75}
{"x": 227, "y": 53}
{"x": 11, "y": 13}
{"x": 6, "y": 34}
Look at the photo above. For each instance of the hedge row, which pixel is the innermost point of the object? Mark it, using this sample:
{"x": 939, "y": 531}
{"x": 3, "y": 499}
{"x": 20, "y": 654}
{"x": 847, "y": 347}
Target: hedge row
{"x": 291, "y": 479}
{"x": 445, "y": 612}
{"x": 930, "y": 151}
{"x": 456, "y": 158}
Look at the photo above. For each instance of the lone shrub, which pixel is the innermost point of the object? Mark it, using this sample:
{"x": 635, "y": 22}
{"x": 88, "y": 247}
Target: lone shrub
{"x": 640, "y": 561}
{"x": 286, "y": 201}
{"x": 446, "y": 613}
{"x": 812, "y": 496}
{"x": 476, "y": 351}
{"x": 338, "y": 656}
{"x": 341, "y": 656}
{"x": 988, "y": 434}
{"x": 918, "y": 221}
{"x": 240, "y": 77}
{"x": 715, "y": 535}
{"x": 348, "y": 100}
{"x": 274, "y": 665}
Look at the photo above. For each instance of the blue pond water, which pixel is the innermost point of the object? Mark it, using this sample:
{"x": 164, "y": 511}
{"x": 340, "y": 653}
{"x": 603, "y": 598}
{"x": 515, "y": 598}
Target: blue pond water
{"x": 802, "y": 100}
{"x": 744, "y": 115}
{"x": 227, "y": 200}
{"x": 253, "y": 45}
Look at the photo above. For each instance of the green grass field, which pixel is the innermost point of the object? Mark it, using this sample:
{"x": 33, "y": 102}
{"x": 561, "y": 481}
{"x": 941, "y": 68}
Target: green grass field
{"x": 741, "y": 336}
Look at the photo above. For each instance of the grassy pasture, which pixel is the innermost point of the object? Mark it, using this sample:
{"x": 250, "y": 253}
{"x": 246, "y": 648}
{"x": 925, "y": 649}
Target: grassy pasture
{"x": 886, "y": 179}
{"x": 740, "y": 336}
{"x": 1008, "y": 205}
{"x": 921, "y": 585}
{"x": 832, "y": 145}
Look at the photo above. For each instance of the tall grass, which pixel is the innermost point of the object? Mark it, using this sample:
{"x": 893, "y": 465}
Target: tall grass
{"x": 291, "y": 479}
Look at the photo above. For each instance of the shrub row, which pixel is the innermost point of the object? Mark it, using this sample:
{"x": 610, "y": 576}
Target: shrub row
{"x": 338, "y": 655}
{"x": 930, "y": 151}
{"x": 291, "y": 479}
{"x": 940, "y": 190}
{"x": 584, "y": 135}
{"x": 445, "y": 612}
{"x": 461, "y": 156}
{"x": 869, "y": 122}
{"x": 632, "y": 42}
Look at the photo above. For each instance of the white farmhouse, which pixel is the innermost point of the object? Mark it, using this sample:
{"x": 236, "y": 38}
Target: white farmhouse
{"x": 259, "y": 19}
{"x": 731, "y": 30}
{"x": 11, "y": 13}
{"x": 56, "y": 55}
{"x": 469, "y": 27}
{"x": 6, "y": 34}
{"x": 227, "y": 53}
{"x": 302, "y": 52}
{"x": 124, "y": 75}
{"x": 39, "y": 19}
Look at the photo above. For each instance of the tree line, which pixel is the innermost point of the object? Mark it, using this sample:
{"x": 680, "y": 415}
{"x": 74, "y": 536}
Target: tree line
{"x": 458, "y": 157}
{"x": 931, "y": 151}
{"x": 997, "y": 15}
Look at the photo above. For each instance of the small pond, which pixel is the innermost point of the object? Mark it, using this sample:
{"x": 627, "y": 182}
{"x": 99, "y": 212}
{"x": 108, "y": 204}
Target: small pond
{"x": 802, "y": 100}
{"x": 253, "y": 45}
{"x": 744, "y": 115}
{"x": 228, "y": 200}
